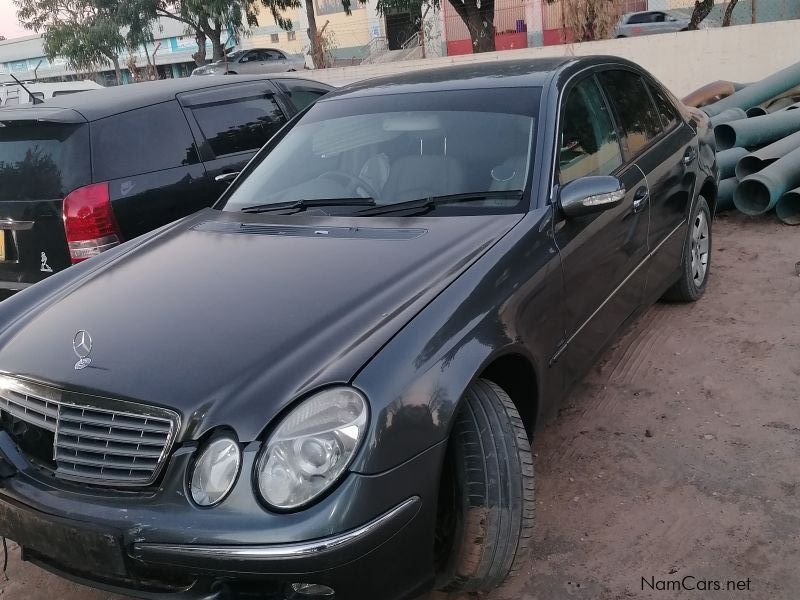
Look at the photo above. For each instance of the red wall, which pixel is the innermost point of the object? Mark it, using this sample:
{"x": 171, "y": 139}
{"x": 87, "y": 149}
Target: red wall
{"x": 502, "y": 41}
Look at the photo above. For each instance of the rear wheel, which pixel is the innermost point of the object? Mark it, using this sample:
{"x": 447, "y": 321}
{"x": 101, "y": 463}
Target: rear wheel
{"x": 696, "y": 263}
{"x": 486, "y": 501}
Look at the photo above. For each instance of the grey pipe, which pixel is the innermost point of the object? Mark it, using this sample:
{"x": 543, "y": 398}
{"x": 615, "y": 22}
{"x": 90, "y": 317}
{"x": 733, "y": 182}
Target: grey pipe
{"x": 728, "y": 159}
{"x": 755, "y": 161}
{"x": 732, "y": 114}
{"x": 758, "y": 130}
{"x": 725, "y": 193}
{"x": 788, "y": 207}
{"x": 758, "y": 193}
{"x": 759, "y": 92}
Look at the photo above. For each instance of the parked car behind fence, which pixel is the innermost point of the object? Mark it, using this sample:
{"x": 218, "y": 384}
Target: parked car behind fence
{"x": 649, "y": 22}
{"x": 80, "y": 174}
{"x": 254, "y": 61}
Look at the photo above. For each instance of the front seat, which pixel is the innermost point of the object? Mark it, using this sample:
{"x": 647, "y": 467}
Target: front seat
{"x": 420, "y": 176}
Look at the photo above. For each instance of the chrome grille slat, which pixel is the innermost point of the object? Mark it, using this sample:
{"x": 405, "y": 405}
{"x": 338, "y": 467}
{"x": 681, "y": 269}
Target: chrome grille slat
{"x": 97, "y": 445}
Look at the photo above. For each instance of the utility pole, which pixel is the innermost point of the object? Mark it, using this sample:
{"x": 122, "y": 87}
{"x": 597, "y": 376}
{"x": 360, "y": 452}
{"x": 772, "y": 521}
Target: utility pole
{"x": 753, "y": 11}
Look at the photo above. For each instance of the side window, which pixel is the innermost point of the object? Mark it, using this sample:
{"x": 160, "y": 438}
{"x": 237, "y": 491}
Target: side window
{"x": 252, "y": 56}
{"x": 273, "y": 55}
{"x": 589, "y": 143}
{"x": 301, "y": 93}
{"x": 658, "y": 17}
{"x": 639, "y": 18}
{"x": 664, "y": 106}
{"x": 139, "y": 141}
{"x": 239, "y": 124}
{"x": 638, "y": 118}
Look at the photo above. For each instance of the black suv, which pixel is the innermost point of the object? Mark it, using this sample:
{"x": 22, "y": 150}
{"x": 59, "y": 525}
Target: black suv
{"x": 80, "y": 174}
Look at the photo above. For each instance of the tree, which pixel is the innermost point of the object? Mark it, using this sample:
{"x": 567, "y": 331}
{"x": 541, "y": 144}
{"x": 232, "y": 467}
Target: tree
{"x": 85, "y": 32}
{"x": 700, "y": 12}
{"x": 726, "y": 20}
{"x": 589, "y": 20}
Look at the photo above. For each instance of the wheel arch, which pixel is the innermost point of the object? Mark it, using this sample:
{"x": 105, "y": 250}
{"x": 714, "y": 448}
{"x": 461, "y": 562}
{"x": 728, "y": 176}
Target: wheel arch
{"x": 709, "y": 191}
{"x": 516, "y": 374}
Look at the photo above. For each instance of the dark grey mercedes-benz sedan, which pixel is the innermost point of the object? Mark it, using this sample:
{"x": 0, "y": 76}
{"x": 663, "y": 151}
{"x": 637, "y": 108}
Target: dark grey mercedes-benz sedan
{"x": 327, "y": 385}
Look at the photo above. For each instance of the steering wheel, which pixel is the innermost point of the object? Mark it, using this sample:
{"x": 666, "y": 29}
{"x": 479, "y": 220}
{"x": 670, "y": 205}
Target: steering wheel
{"x": 353, "y": 184}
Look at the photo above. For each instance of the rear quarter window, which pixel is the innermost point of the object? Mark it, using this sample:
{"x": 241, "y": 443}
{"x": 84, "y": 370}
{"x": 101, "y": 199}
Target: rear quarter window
{"x": 153, "y": 138}
{"x": 42, "y": 161}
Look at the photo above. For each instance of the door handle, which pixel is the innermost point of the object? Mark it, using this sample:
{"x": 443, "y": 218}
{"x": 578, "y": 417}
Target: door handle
{"x": 689, "y": 157}
{"x": 226, "y": 177}
{"x": 640, "y": 199}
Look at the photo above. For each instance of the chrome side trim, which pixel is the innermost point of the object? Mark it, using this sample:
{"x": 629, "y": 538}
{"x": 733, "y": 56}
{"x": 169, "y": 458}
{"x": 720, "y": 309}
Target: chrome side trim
{"x": 273, "y": 551}
{"x": 650, "y": 254}
{"x": 15, "y": 225}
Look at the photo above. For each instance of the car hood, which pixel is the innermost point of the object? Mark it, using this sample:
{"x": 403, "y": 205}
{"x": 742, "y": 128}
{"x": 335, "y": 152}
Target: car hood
{"x": 227, "y": 318}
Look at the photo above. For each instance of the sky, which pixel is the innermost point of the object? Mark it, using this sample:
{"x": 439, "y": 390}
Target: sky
{"x": 9, "y": 26}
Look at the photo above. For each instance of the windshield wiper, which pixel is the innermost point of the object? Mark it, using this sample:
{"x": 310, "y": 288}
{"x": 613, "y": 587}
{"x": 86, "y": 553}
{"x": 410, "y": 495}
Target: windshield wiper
{"x": 299, "y": 205}
{"x": 423, "y": 205}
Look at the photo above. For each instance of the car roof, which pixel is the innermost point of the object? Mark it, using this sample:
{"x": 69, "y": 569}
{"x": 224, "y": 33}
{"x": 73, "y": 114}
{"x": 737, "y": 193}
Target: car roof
{"x": 534, "y": 72}
{"x": 97, "y": 104}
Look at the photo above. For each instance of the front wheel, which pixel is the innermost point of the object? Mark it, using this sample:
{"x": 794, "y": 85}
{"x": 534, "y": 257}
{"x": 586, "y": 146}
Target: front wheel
{"x": 696, "y": 262}
{"x": 486, "y": 502}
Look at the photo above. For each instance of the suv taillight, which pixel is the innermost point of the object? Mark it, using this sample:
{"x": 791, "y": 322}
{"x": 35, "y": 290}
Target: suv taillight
{"x": 89, "y": 222}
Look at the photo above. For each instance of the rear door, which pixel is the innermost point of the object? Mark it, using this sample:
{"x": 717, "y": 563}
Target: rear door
{"x": 149, "y": 159}
{"x": 276, "y": 61}
{"x": 231, "y": 123}
{"x": 41, "y": 161}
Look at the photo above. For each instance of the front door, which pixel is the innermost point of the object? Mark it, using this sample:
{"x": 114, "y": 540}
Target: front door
{"x": 602, "y": 254}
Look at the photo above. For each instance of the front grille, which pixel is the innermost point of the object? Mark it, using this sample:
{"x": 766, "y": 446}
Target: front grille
{"x": 120, "y": 446}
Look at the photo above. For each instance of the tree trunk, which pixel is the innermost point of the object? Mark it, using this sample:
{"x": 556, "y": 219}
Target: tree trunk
{"x": 479, "y": 22}
{"x": 315, "y": 48}
{"x": 117, "y": 70}
{"x": 215, "y": 35}
{"x": 200, "y": 56}
{"x": 726, "y": 20}
{"x": 701, "y": 10}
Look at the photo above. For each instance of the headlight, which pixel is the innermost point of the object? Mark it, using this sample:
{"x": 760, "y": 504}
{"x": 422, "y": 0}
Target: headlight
{"x": 311, "y": 447}
{"x": 215, "y": 471}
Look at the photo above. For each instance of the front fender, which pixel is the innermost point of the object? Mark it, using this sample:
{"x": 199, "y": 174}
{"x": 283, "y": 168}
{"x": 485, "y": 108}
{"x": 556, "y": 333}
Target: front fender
{"x": 508, "y": 301}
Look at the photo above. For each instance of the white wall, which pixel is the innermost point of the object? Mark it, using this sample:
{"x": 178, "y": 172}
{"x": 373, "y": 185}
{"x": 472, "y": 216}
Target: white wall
{"x": 682, "y": 61}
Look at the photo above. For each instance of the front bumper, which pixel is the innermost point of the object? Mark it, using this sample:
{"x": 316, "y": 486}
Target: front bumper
{"x": 150, "y": 547}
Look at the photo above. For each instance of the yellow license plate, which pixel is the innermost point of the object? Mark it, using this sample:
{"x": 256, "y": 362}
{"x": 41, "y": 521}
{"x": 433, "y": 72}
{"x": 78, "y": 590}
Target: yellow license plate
{"x": 2, "y": 245}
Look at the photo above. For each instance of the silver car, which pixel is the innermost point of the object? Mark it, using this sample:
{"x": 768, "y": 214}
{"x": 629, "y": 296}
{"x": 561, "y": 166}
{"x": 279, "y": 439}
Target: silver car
{"x": 648, "y": 22}
{"x": 254, "y": 61}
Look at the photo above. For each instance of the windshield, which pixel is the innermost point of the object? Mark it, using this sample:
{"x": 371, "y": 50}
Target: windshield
{"x": 233, "y": 56}
{"x": 472, "y": 144}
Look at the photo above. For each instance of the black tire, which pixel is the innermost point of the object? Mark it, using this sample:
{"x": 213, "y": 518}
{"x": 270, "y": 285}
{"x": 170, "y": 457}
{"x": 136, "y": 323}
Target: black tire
{"x": 485, "y": 522}
{"x": 688, "y": 288}
{"x": 231, "y": 73}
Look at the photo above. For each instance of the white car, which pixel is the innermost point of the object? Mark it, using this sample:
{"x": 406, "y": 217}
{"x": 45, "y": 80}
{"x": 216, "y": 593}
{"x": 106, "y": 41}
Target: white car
{"x": 253, "y": 61}
{"x": 648, "y": 22}
{"x": 12, "y": 94}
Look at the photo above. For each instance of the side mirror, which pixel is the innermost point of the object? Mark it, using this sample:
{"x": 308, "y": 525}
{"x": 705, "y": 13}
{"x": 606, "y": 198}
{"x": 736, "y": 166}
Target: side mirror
{"x": 589, "y": 195}
{"x": 226, "y": 177}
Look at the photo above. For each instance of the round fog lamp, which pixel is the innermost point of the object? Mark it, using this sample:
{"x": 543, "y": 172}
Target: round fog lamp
{"x": 215, "y": 471}
{"x": 312, "y": 590}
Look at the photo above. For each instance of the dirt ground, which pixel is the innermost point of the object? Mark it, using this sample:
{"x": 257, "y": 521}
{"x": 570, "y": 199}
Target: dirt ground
{"x": 678, "y": 456}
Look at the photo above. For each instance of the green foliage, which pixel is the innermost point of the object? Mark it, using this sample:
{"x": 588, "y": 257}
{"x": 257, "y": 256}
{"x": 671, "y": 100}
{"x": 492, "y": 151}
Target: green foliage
{"x": 85, "y": 32}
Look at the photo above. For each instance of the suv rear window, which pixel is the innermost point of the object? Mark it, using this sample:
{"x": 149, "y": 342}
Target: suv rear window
{"x": 42, "y": 161}
{"x": 153, "y": 138}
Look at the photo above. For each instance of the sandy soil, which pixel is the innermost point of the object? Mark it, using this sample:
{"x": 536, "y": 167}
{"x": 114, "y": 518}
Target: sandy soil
{"x": 678, "y": 456}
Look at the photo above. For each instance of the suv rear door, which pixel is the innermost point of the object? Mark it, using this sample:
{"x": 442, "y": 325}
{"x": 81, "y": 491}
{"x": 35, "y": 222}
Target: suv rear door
{"x": 231, "y": 123}
{"x": 149, "y": 159}
{"x": 44, "y": 155}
